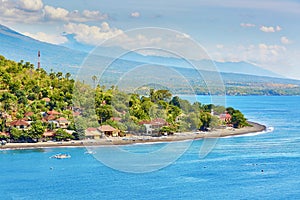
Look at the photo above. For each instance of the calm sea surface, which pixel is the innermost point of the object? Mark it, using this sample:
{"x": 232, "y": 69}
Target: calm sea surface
{"x": 264, "y": 166}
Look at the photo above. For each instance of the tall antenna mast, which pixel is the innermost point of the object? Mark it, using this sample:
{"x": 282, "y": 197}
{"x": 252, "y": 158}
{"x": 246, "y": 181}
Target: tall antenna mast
{"x": 39, "y": 62}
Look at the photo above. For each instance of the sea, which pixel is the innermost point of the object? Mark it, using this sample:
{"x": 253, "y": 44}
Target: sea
{"x": 263, "y": 165}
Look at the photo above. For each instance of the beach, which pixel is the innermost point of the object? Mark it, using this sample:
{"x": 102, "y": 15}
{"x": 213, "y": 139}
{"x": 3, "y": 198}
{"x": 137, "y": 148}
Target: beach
{"x": 217, "y": 133}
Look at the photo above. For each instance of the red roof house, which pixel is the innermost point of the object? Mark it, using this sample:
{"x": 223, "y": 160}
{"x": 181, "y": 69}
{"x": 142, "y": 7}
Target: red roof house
{"x": 63, "y": 122}
{"x": 225, "y": 117}
{"x": 19, "y": 124}
{"x": 53, "y": 112}
{"x": 109, "y": 130}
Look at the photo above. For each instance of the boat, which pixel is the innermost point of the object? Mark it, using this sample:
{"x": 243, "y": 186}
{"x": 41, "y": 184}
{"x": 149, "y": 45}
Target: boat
{"x": 90, "y": 152}
{"x": 61, "y": 156}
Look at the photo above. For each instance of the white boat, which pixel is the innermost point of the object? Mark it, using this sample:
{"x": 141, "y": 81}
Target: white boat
{"x": 90, "y": 152}
{"x": 61, "y": 156}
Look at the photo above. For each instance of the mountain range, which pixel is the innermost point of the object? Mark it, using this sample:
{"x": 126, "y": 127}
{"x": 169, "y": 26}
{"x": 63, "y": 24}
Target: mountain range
{"x": 18, "y": 47}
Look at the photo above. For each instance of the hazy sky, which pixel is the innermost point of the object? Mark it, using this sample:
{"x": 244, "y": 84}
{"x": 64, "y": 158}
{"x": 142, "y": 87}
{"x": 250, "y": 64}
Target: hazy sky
{"x": 263, "y": 32}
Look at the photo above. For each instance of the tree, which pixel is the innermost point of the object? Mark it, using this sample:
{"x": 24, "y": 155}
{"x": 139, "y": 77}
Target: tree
{"x": 61, "y": 134}
{"x": 214, "y": 122}
{"x": 15, "y": 134}
{"x": 94, "y": 78}
{"x": 175, "y": 101}
{"x": 67, "y": 75}
{"x": 80, "y": 127}
{"x": 36, "y": 130}
{"x": 104, "y": 113}
{"x": 205, "y": 118}
{"x": 238, "y": 120}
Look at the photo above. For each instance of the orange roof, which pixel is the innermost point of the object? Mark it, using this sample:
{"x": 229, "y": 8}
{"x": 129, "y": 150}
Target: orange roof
{"x": 48, "y": 134}
{"x": 225, "y": 116}
{"x": 61, "y": 119}
{"x": 46, "y": 99}
{"x": 50, "y": 117}
{"x": 117, "y": 119}
{"x": 19, "y": 122}
{"x": 91, "y": 129}
{"x": 157, "y": 121}
{"x": 76, "y": 113}
{"x": 53, "y": 112}
{"x": 5, "y": 134}
{"x": 28, "y": 114}
{"x": 105, "y": 128}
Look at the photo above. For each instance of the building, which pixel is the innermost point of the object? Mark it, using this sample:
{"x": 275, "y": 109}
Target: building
{"x": 53, "y": 112}
{"x": 154, "y": 125}
{"x": 4, "y": 134}
{"x": 62, "y": 122}
{"x": 109, "y": 130}
{"x": 20, "y": 124}
{"x": 225, "y": 118}
{"x": 48, "y": 135}
{"x": 93, "y": 134}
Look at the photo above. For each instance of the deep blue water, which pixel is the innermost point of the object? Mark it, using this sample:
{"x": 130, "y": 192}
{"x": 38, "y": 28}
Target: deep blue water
{"x": 232, "y": 170}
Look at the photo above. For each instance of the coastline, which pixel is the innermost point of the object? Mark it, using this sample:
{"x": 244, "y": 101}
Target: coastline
{"x": 218, "y": 133}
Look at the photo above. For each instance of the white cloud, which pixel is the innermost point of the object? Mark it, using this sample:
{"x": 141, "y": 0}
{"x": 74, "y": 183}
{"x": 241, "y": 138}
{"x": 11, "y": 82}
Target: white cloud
{"x": 17, "y": 11}
{"x": 50, "y": 38}
{"x": 27, "y": 11}
{"x": 262, "y": 54}
{"x": 55, "y": 13}
{"x": 278, "y": 28}
{"x": 31, "y": 5}
{"x": 285, "y": 40}
{"x": 247, "y": 25}
{"x": 135, "y": 14}
{"x": 91, "y": 35}
{"x": 266, "y": 29}
{"x": 88, "y": 14}
{"x": 270, "y": 29}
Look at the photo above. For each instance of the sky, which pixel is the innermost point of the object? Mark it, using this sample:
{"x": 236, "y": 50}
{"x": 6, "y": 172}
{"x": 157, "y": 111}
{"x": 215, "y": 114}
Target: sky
{"x": 261, "y": 32}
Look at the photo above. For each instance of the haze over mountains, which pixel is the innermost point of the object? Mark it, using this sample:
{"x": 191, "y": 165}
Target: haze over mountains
{"x": 239, "y": 78}
{"x": 19, "y": 47}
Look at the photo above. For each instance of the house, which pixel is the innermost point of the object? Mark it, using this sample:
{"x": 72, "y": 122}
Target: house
{"x": 116, "y": 119}
{"x": 93, "y": 134}
{"x": 154, "y": 124}
{"x": 46, "y": 99}
{"x": 63, "y": 122}
{"x": 49, "y": 118}
{"x": 20, "y": 124}
{"x": 53, "y": 112}
{"x": 48, "y": 135}
{"x": 28, "y": 114}
{"x": 109, "y": 130}
{"x": 4, "y": 134}
{"x": 225, "y": 117}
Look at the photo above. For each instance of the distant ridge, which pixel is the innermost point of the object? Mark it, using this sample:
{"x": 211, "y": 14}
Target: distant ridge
{"x": 18, "y": 47}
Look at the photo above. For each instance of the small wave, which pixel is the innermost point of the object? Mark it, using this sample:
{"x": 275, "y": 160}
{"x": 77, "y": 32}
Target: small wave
{"x": 268, "y": 130}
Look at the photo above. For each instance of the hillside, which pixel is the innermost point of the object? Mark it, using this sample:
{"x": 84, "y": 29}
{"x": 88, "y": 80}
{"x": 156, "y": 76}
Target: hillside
{"x": 35, "y": 105}
{"x": 18, "y": 47}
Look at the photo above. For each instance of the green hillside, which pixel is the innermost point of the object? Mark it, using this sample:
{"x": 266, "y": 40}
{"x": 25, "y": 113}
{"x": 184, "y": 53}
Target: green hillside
{"x": 33, "y": 102}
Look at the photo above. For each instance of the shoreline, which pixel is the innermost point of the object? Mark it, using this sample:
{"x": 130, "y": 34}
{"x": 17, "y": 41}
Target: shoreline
{"x": 218, "y": 133}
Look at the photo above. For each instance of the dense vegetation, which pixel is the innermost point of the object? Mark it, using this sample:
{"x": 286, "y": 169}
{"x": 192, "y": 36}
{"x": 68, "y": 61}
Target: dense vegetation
{"x": 24, "y": 89}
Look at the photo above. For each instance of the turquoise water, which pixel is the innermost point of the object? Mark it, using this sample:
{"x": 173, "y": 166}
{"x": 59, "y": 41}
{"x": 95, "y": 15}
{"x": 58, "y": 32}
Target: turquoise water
{"x": 232, "y": 170}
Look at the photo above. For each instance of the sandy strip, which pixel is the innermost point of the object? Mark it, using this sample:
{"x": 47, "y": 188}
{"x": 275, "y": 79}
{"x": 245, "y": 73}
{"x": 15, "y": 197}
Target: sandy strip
{"x": 141, "y": 139}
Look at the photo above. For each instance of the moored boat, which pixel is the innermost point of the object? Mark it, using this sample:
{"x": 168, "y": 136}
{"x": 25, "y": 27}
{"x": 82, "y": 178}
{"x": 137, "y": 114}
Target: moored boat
{"x": 61, "y": 156}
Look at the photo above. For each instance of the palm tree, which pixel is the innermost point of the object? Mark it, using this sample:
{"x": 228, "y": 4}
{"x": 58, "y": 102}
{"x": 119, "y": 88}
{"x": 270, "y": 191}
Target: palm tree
{"x": 67, "y": 76}
{"x": 94, "y": 78}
